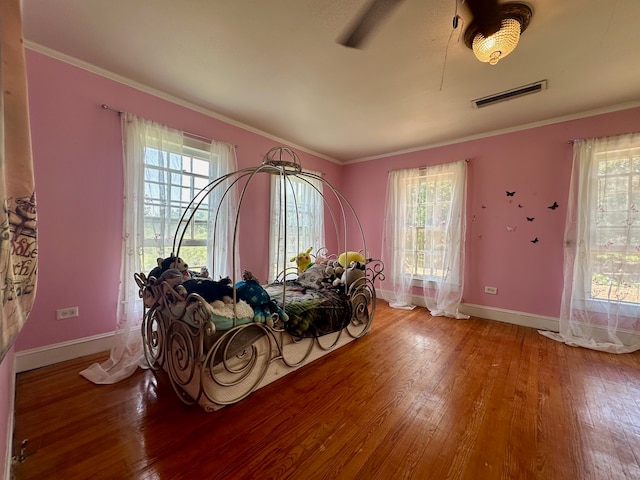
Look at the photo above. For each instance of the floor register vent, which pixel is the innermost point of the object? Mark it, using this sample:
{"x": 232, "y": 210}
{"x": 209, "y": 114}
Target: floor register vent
{"x": 510, "y": 94}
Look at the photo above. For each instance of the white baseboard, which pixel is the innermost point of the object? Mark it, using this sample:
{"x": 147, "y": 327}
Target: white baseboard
{"x": 539, "y": 322}
{"x": 61, "y": 352}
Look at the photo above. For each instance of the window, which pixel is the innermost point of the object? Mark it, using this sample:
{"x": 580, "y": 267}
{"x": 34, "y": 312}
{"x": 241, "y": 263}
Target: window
{"x": 615, "y": 226}
{"x": 297, "y": 210}
{"x": 423, "y": 236}
{"x": 172, "y": 178}
{"x": 601, "y": 297}
{"x": 428, "y": 206}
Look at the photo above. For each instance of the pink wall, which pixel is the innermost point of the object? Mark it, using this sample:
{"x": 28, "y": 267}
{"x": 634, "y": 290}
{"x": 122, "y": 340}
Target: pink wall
{"x": 77, "y": 149}
{"x": 536, "y": 164}
{"x": 78, "y": 168}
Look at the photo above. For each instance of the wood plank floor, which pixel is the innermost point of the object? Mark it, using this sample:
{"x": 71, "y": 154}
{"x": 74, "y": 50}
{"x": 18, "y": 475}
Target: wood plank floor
{"x": 417, "y": 398}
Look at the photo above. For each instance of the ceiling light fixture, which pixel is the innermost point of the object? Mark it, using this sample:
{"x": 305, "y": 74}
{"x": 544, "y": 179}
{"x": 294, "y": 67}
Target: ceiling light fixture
{"x": 514, "y": 19}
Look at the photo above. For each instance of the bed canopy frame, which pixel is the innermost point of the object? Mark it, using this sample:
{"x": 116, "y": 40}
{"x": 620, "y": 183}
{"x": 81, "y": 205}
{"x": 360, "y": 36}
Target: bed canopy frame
{"x": 216, "y": 362}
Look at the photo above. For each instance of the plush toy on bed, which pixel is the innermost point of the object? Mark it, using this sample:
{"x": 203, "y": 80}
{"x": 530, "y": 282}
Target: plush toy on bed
{"x": 209, "y": 289}
{"x": 171, "y": 261}
{"x": 351, "y": 267}
{"x": 346, "y": 258}
{"x": 352, "y": 274}
{"x": 159, "y": 295}
{"x": 250, "y": 290}
{"x": 303, "y": 260}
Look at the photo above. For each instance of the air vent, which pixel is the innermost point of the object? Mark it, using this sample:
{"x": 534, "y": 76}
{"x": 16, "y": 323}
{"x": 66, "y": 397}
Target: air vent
{"x": 510, "y": 94}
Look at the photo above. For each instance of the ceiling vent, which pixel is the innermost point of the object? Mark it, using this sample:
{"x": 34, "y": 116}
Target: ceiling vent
{"x": 510, "y": 94}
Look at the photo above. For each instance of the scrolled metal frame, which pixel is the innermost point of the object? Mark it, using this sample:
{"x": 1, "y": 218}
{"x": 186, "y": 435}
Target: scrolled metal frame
{"x": 217, "y": 368}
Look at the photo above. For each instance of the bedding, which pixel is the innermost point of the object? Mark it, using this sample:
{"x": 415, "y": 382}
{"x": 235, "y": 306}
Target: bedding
{"x": 312, "y": 312}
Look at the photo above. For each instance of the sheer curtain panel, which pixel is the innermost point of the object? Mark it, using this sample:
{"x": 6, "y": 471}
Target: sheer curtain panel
{"x": 298, "y": 222}
{"x": 221, "y": 251}
{"x": 162, "y": 173}
{"x": 601, "y": 298}
{"x": 423, "y": 236}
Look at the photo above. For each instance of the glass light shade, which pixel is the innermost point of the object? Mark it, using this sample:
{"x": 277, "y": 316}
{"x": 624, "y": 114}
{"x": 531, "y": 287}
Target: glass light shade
{"x": 500, "y": 44}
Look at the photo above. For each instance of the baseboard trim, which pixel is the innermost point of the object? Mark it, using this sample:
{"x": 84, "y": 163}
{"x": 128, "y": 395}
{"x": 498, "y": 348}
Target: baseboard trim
{"x": 61, "y": 352}
{"x": 523, "y": 319}
{"x": 539, "y": 322}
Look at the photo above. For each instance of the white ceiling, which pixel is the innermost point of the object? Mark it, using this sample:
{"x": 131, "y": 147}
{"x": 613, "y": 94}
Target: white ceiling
{"x": 275, "y": 65}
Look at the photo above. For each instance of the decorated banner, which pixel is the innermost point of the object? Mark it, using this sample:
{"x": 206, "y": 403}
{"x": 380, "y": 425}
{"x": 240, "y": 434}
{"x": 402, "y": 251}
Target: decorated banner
{"x": 18, "y": 233}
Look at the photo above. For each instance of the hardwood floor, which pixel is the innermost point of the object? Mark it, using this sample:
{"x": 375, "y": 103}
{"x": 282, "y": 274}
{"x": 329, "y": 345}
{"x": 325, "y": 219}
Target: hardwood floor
{"x": 417, "y": 398}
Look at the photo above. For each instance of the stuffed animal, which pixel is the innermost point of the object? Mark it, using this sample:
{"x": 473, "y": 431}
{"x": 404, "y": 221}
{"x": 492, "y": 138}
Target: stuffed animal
{"x": 209, "y": 289}
{"x": 250, "y": 290}
{"x": 303, "y": 260}
{"x": 160, "y": 295}
{"x": 351, "y": 274}
{"x": 346, "y": 258}
{"x": 165, "y": 264}
{"x": 173, "y": 277}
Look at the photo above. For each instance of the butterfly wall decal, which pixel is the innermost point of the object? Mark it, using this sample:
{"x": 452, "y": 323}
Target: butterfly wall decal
{"x": 535, "y": 240}
{"x": 510, "y": 194}
{"x": 530, "y": 219}
{"x": 554, "y": 206}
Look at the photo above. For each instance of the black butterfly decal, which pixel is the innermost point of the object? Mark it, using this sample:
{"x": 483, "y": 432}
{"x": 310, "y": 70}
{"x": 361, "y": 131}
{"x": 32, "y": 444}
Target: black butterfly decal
{"x": 484, "y": 206}
{"x": 530, "y": 219}
{"x": 520, "y": 206}
{"x": 510, "y": 194}
{"x": 535, "y": 240}
{"x": 554, "y": 206}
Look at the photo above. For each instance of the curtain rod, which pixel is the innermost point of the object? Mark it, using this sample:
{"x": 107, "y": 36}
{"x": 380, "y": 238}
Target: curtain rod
{"x": 190, "y": 134}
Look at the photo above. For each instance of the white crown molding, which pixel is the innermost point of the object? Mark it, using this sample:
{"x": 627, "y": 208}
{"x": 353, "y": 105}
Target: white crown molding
{"x": 61, "y": 352}
{"x": 527, "y": 126}
{"x": 165, "y": 96}
{"x": 170, "y": 98}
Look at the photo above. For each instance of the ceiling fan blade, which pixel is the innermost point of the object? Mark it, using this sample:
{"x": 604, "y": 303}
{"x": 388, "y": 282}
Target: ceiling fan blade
{"x": 485, "y": 15}
{"x": 370, "y": 17}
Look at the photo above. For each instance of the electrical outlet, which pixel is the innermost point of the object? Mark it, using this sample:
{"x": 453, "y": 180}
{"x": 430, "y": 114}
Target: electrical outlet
{"x": 491, "y": 290}
{"x": 66, "y": 313}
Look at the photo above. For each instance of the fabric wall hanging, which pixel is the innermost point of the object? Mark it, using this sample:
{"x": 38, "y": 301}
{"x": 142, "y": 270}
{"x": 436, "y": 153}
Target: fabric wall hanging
{"x": 18, "y": 233}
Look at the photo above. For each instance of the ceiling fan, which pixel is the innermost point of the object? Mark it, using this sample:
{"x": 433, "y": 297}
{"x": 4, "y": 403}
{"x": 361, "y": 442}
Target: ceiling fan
{"x": 486, "y": 19}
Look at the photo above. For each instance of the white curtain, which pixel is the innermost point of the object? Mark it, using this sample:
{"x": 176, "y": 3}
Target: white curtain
{"x": 303, "y": 215}
{"x": 601, "y": 299}
{"x": 423, "y": 236}
{"x": 221, "y": 250}
{"x": 143, "y": 139}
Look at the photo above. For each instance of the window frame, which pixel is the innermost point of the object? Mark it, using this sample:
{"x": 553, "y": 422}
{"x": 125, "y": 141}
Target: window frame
{"x": 595, "y": 227}
{"x": 425, "y": 178}
{"x": 191, "y": 150}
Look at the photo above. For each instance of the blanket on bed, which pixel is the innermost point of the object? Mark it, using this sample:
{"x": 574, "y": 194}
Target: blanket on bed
{"x": 312, "y": 312}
